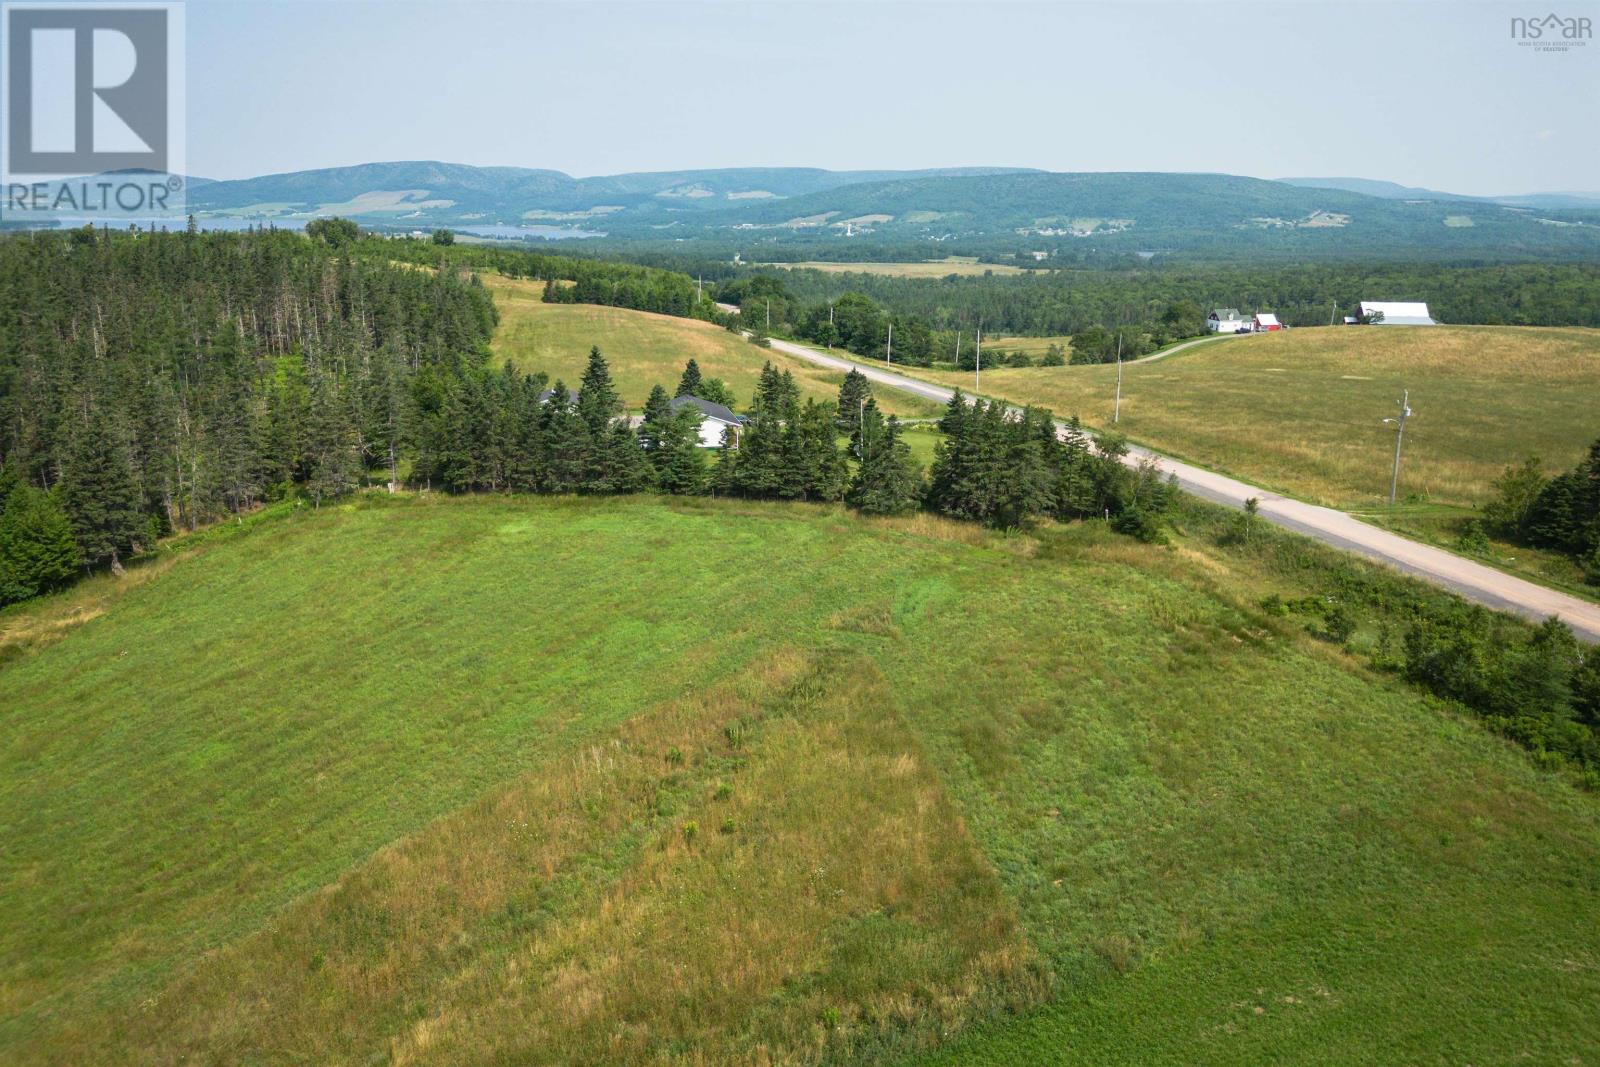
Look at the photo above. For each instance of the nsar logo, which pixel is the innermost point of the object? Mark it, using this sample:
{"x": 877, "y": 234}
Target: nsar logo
{"x": 1552, "y": 33}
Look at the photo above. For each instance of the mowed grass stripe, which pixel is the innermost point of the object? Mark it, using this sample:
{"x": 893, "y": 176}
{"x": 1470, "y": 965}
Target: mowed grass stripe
{"x": 243, "y": 729}
{"x": 775, "y": 840}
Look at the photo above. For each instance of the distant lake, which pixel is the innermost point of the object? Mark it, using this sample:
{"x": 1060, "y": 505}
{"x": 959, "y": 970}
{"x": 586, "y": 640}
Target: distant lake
{"x": 547, "y": 233}
{"x": 239, "y": 222}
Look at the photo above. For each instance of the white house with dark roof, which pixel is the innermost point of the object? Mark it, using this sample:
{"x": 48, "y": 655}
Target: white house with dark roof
{"x": 1226, "y": 320}
{"x": 715, "y": 420}
{"x": 1396, "y": 313}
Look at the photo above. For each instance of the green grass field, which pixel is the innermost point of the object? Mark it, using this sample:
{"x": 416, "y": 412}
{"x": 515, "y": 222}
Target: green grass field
{"x": 1302, "y": 410}
{"x": 1033, "y": 346}
{"x": 645, "y": 349}
{"x": 425, "y": 780}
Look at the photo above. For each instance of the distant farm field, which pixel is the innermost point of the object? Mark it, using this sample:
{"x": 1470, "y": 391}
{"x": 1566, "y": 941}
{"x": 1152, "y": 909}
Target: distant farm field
{"x": 1033, "y": 346}
{"x": 1301, "y": 410}
{"x": 491, "y": 780}
{"x": 645, "y": 349}
{"x": 965, "y": 266}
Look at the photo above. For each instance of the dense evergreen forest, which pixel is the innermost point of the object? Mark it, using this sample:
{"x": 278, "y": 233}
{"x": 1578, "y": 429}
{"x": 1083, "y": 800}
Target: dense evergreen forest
{"x": 162, "y": 380}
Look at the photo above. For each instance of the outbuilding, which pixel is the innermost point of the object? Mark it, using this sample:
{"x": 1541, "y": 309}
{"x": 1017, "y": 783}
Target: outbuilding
{"x": 1264, "y": 322}
{"x": 1396, "y": 313}
{"x": 715, "y": 420}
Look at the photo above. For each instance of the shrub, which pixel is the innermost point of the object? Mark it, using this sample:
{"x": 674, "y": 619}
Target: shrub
{"x": 1473, "y": 540}
{"x": 1339, "y": 625}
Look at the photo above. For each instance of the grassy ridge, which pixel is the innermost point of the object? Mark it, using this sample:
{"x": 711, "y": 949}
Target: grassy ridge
{"x": 1187, "y": 811}
{"x": 645, "y": 349}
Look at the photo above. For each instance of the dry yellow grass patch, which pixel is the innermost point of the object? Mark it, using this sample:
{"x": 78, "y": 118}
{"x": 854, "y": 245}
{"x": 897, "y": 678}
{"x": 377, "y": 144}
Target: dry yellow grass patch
{"x": 766, "y": 873}
{"x": 44, "y": 621}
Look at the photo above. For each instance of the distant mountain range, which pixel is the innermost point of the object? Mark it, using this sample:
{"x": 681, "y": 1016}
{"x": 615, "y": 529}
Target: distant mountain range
{"x": 1394, "y": 191}
{"x": 513, "y": 195}
{"x": 966, "y": 208}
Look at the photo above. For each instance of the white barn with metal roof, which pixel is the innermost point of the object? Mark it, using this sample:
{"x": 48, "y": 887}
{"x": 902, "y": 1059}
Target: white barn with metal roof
{"x": 1397, "y": 313}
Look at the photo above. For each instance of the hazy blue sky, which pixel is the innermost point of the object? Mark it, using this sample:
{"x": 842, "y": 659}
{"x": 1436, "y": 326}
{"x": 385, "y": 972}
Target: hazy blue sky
{"x": 1429, "y": 94}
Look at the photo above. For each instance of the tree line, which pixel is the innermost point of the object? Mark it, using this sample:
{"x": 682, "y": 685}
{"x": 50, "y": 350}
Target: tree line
{"x": 1560, "y": 513}
{"x": 568, "y": 279}
{"x": 1065, "y": 302}
{"x": 154, "y": 382}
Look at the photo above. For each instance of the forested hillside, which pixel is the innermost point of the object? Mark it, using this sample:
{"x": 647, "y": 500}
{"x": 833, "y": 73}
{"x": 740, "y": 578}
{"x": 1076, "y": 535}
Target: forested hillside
{"x": 160, "y": 381}
{"x": 1066, "y": 302}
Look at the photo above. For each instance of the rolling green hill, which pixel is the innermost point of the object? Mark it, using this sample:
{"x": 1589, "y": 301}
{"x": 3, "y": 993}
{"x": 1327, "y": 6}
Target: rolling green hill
{"x": 495, "y": 779}
{"x": 645, "y": 349}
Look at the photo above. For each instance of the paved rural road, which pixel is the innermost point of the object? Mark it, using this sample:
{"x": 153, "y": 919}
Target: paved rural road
{"x": 1476, "y": 582}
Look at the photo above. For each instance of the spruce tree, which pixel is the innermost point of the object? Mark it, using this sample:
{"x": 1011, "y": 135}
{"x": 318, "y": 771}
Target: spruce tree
{"x": 854, "y": 391}
{"x": 598, "y": 402}
{"x": 529, "y": 465}
{"x": 657, "y": 414}
{"x": 99, "y": 492}
{"x": 689, "y": 384}
{"x": 37, "y": 550}
{"x": 679, "y": 460}
{"x": 568, "y": 443}
{"x": 889, "y": 480}
{"x": 628, "y": 468}
{"x": 333, "y": 446}
{"x": 826, "y": 472}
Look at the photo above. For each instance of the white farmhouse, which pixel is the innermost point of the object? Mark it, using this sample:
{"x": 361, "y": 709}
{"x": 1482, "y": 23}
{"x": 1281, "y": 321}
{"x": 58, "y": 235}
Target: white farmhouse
{"x": 1227, "y": 320}
{"x": 1396, "y": 313}
{"x": 715, "y": 420}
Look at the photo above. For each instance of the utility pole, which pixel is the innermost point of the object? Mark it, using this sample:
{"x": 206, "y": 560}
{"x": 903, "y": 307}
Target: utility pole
{"x": 1333, "y": 313}
{"x": 977, "y": 373}
{"x": 1116, "y": 412}
{"x": 889, "y": 350}
{"x": 958, "y": 350}
{"x": 1399, "y": 436}
{"x": 830, "y": 326}
{"x": 769, "y": 314}
{"x": 699, "y": 289}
